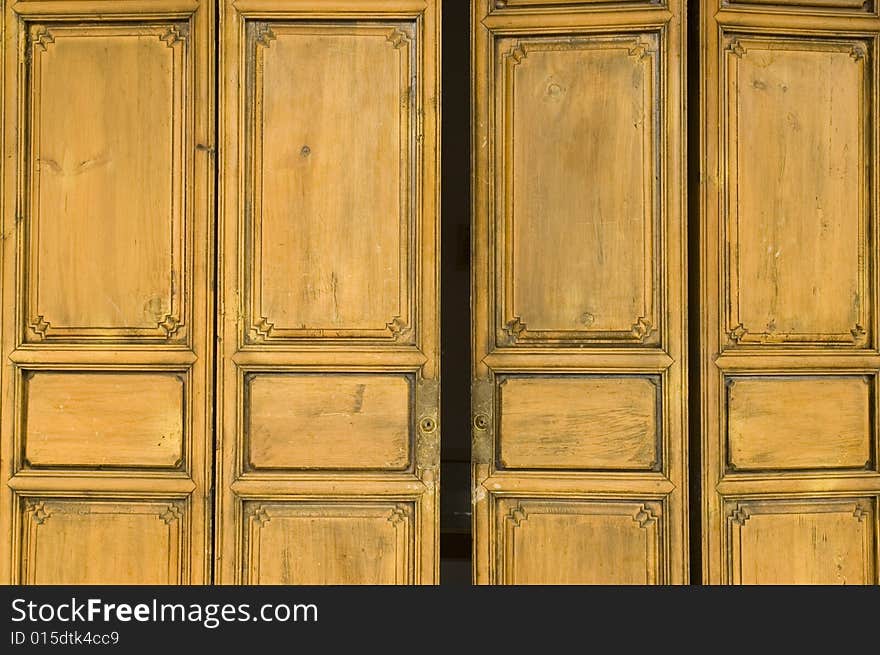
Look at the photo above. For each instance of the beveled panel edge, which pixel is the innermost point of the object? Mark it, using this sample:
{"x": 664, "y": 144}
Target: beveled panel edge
{"x": 21, "y": 373}
{"x": 660, "y": 423}
{"x": 734, "y": 336}
{"x": 872, "y": 466}
{"x": 33, "y": 330}
{"x": 402, "y": 330}
{"x": 507, "y": 330}
{"x": 737, "y": 510}
{"x": 112, "y": 9}
{"x": 379, "y": 493}
{"x": 415, "y": 427}
{"x": 329, "y": 8}
{"x": 30, "y": 511}
{"x": 648, "y": 513}
{"x": 424, "y": 459}
{"x": 20, "y": 463}
{"x": 402, "y": 514}
{"x": 798, "y": 8}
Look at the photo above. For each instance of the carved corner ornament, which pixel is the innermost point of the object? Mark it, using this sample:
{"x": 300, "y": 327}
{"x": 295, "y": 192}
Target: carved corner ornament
{"x": 170, "y": 515}
{"x": 861, "y": 511}
{"x": 737, "y": 333}
{"x": 170, "y": 325}
{"x": 739, "y": 515}
{"x": 640, "y": 50}
{"x": 39, "y": 512}
{"x": 645, "y": 516}
{"x": 859, "y": 52}
{"x": 39, "y": 326}
{"x": 42, "y": 37}
{"x": 736, "y": 48}
{"x": 263, "y": 329}
{"x": 397, "y": 516}
{"x": 263, "y": 34}
{"x": 642, "y": 328}
{"x": 858, "y": 333}
{"x": 398, "y": 38}
{"x": 399, "y": 329}
{"x": 513, "y": 329}
{"x": 175, "y": 34}
{"x": 517, "y": 515}
{"x": 261, "y": 516}
{"x": 517, "y": 53}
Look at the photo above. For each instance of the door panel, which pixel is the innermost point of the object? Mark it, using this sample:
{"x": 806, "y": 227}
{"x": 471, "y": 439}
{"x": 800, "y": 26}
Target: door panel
{"x": 789, "y": 283}
{"x": 329, "y": 437}
{"x": 289, "y": 542}
{"x": 106, "y": 269}
{"x": 578, "y": 253}
{"x": 607, "y": 541}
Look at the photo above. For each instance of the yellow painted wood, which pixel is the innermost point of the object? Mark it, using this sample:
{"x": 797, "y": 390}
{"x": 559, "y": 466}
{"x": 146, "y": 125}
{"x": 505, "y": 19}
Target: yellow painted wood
{"x": 106, "y": 279}
{"x": 578, "y": 423}
{"x": 593, "y": 542}
{"x": 578, "y": 268}
{"x": 370, "y": 542}
{"x": 104, "y": 541}
{"x": 789, "y": 349}
{"x": 799, "y": 422}
{"x": 315, "y": 421}
{"x": 105, "y": 419}
{"x": 328, "y": 403}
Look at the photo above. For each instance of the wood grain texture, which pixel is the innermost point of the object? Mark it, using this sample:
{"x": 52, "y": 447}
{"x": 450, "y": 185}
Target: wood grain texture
{"x": 803, "y": 542}
{"x": 329, "y": 376}
{"x": 332, "y": 264}
{"x": 82, "y": 222}
{"x": 859, "y": 5}
{"x": 77, "y": 542}
{"x": 558, "y": 130}
{"x": 329, "y": 422}
{"x": 798, "y": 262}
{"x": 788, "y": 293}
{"x": 504, "y": 4}
{"x": 578, "y": 542}
{"x": 107, "y": 263}
{"x": 578, "y": 282}
{"x": 83, "y": 420}
{"x": 799, "y": 423}
{"x": 288, "y": 543}
{"x": 579, "y": 423}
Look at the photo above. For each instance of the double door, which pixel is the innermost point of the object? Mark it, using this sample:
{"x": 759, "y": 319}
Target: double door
{"x": 220, "y": 340}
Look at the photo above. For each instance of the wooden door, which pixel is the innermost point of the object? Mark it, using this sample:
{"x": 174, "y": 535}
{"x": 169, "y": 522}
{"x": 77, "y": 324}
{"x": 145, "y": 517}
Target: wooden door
{"x": 789, "y": 292}
{"x": 579, "y": 399}
{"x": 328, "y": 435}
{"x": 106, "y": 374}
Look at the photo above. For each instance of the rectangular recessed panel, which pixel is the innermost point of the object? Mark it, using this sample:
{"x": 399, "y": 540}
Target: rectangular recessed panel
{"x": 332, "y": 193}
{"x": 328, "y": 542}
{"x": 803, "y": 542}
{"x": 503, "y": 4}
{"x": 864, "y": 5}
{"x": 579, "y": 165}
{"x": 328, "y": 421}
{"x": 105, "y": 240}
{"x": 578, "y": 541}
{"x": 92, "y": 420}
{"x": 80, "y": 541}
{"x": 798, "y": 186}
{"x": 598, "y": 422}
{"x": 799, "y": 422}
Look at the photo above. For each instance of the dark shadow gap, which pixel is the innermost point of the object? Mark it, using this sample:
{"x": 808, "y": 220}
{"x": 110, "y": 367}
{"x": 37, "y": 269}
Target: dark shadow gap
{"x": 455, "y": 324}
{"x": 695, "y": 502}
